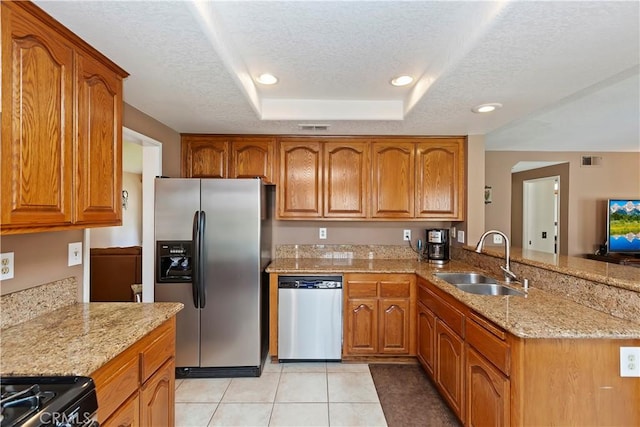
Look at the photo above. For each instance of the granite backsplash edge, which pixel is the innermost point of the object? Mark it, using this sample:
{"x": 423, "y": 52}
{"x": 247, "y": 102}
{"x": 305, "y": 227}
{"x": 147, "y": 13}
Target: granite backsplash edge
{"x": 20, "y": 306}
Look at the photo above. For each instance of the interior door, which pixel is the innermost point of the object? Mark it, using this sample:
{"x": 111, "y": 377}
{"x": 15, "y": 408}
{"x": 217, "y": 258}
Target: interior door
{"x": 540, "y": 214}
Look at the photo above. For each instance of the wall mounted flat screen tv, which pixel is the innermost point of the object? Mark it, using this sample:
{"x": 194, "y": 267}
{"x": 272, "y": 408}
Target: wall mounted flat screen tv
{"x": 623, "y": 226}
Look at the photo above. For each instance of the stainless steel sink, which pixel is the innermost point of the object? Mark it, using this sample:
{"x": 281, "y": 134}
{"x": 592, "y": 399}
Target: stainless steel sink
{"x": 488, "y": 289}
{"x": 465, "y": 278}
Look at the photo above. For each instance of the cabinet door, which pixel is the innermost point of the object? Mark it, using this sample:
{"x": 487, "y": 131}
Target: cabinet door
{"x": 426, "y": 339}
{"x": 299, "y": 190}
{"x": 252, "y": 157}
{"x": 449, "y": 367}
{"x": 157, "y": 397}
{"x": 205, "y": 156}
{"x": 487, "y": 393}
{"x": 346, "y": 172}
{"x": 37, "y": 123}
{"x": 439, "y": 179}
{"x": 127, "y": 415}
{"x": 393, "y": 179}
{"x": 394, "y": 326}
{"x": 99, "y": 144}
{"x": 361, "y": 328}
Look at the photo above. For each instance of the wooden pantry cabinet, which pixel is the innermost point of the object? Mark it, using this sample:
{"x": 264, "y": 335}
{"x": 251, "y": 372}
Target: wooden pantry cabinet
{"x": 61, "y": 127}
{"x": 137, "y": 387}
{"x": 379, "y": 315}
{"x": 228, "y": 156}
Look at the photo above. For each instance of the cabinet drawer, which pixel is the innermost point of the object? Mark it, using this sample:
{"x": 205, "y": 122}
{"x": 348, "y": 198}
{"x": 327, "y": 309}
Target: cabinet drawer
{"x": 357, "y": 289}
{"x": 115, "y": 382}
{"x": 450, "y": 315}
{"x": 157, "y": 352}
{"x": 395, "y": 289}
{"x": 491, "y": 347}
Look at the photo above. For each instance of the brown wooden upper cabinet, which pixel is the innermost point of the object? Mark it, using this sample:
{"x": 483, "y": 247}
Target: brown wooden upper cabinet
{"x": 346, "y": 178}
{"x": 205, "y": 156}
{"x": 393, "y": 163}
{"x": 252, "y": 157}
{"x": 440, "y": 184}
{"x": 300, "y": 178}
{"x": 228, "y": 156}
{"x": 391, "y": 178}
{"x": 61, "y": 127}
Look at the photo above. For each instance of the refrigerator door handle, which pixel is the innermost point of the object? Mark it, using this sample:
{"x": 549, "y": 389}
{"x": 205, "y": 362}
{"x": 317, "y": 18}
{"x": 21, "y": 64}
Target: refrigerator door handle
{"x": 202, "y": 291}
{"x": 195, "y": 278}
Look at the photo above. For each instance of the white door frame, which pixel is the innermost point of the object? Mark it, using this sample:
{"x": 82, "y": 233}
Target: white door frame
{"x": 151, "y": 167}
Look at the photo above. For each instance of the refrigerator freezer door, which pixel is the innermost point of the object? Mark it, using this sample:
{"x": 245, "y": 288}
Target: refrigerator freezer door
{"x": 177, "y": 200}
{"x": 231, "y": 318}
{"x": 187, "y": 322}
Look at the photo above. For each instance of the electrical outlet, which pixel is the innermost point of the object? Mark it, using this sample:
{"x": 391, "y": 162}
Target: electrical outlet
{"x": 460, "y": 236}
{"x": 75, "y": 254}
{"x": 406, "y": 235}
{"x": 497, "y": 239}
{"x": 6, "y": 264}
{"x": 630, "y": 361}
{"x": 322, "y": 233}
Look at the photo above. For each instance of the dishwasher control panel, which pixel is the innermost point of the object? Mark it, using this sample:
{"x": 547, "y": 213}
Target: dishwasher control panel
{"x": 309, "y": 282}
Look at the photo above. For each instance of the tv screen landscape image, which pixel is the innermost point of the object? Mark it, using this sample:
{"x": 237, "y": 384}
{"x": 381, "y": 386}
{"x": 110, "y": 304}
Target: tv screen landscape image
{"x": 623, "y": 226}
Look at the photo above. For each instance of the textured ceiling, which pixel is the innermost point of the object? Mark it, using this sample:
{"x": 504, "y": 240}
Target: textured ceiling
{"x": 567, "y": 73}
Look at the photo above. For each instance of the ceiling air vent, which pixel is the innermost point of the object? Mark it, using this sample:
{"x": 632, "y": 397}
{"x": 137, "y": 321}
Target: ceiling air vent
{"x": 313, "y": 127}
{"x": 591, "y": 161}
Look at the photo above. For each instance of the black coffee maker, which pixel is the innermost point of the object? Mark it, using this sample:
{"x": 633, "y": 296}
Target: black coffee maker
{"x": 437, "y": 245}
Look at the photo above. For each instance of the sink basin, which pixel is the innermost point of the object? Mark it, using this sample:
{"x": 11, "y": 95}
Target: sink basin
{"x": 465, "y": 278}
{"x": 488, "y": 289}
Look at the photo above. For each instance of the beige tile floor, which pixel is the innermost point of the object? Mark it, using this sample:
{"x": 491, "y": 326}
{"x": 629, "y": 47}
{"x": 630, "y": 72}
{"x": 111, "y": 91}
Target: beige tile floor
{"x": 287, "y": 394}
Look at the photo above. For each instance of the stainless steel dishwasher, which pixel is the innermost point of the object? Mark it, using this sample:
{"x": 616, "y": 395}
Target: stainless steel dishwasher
{"x": 309, "y": 318}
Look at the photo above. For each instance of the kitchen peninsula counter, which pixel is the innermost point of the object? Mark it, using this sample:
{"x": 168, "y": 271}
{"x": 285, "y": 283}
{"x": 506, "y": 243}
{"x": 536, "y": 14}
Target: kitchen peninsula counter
{"x": 79, "y": 338}
{"x": 540, "y": 314}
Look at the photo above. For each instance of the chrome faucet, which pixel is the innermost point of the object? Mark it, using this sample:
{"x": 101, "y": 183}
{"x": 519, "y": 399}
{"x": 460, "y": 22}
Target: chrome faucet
{"x": 508, "y": 274}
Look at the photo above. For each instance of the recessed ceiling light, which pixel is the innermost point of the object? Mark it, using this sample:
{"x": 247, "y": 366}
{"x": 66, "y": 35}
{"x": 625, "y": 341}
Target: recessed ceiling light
{"x": 486, "y": 108}
{"x": 267, "y": 79}
{"x": 402, "y": 80}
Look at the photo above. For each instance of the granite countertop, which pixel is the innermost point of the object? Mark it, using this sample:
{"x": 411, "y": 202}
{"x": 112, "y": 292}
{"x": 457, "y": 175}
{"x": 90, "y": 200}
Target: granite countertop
{"x": 621, "y": 276}
{"x": 538, "y": 315}
{"x": 79, "y": 338}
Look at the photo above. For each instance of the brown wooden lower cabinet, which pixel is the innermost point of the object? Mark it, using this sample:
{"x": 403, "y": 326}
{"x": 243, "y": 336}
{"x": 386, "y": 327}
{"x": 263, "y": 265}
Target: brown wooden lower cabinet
{"x": 487, "y": 392}
{"x": 127, "y": 415}
{"x": 157, "y": 397}
{"x": 137, "y": 387}
{"x": 490, "y": 377}
{"x": 449, "y": 367}
{"x": 379, "y": 315}
{"x": 426, "y": 350}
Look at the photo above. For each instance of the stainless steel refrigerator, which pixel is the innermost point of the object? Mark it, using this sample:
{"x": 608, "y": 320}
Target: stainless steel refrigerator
{"x": 213, "y": 242}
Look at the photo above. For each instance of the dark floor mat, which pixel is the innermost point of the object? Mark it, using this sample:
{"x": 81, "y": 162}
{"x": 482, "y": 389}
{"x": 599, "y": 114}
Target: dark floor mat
{"x": 408, "y": 398}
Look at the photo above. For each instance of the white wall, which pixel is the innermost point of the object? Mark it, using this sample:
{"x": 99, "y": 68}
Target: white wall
{"x": 130, "y": 233}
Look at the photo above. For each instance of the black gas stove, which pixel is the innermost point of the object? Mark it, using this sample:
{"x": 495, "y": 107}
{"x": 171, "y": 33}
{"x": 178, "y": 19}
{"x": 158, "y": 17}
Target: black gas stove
{"x": 48, "y": 401}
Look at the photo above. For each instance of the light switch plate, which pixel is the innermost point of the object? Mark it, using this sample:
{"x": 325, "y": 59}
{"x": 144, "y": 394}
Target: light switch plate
{"x": 460, "y": 236}
{"x": 75, "y": 253}
{"x": 6, "y": 266}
